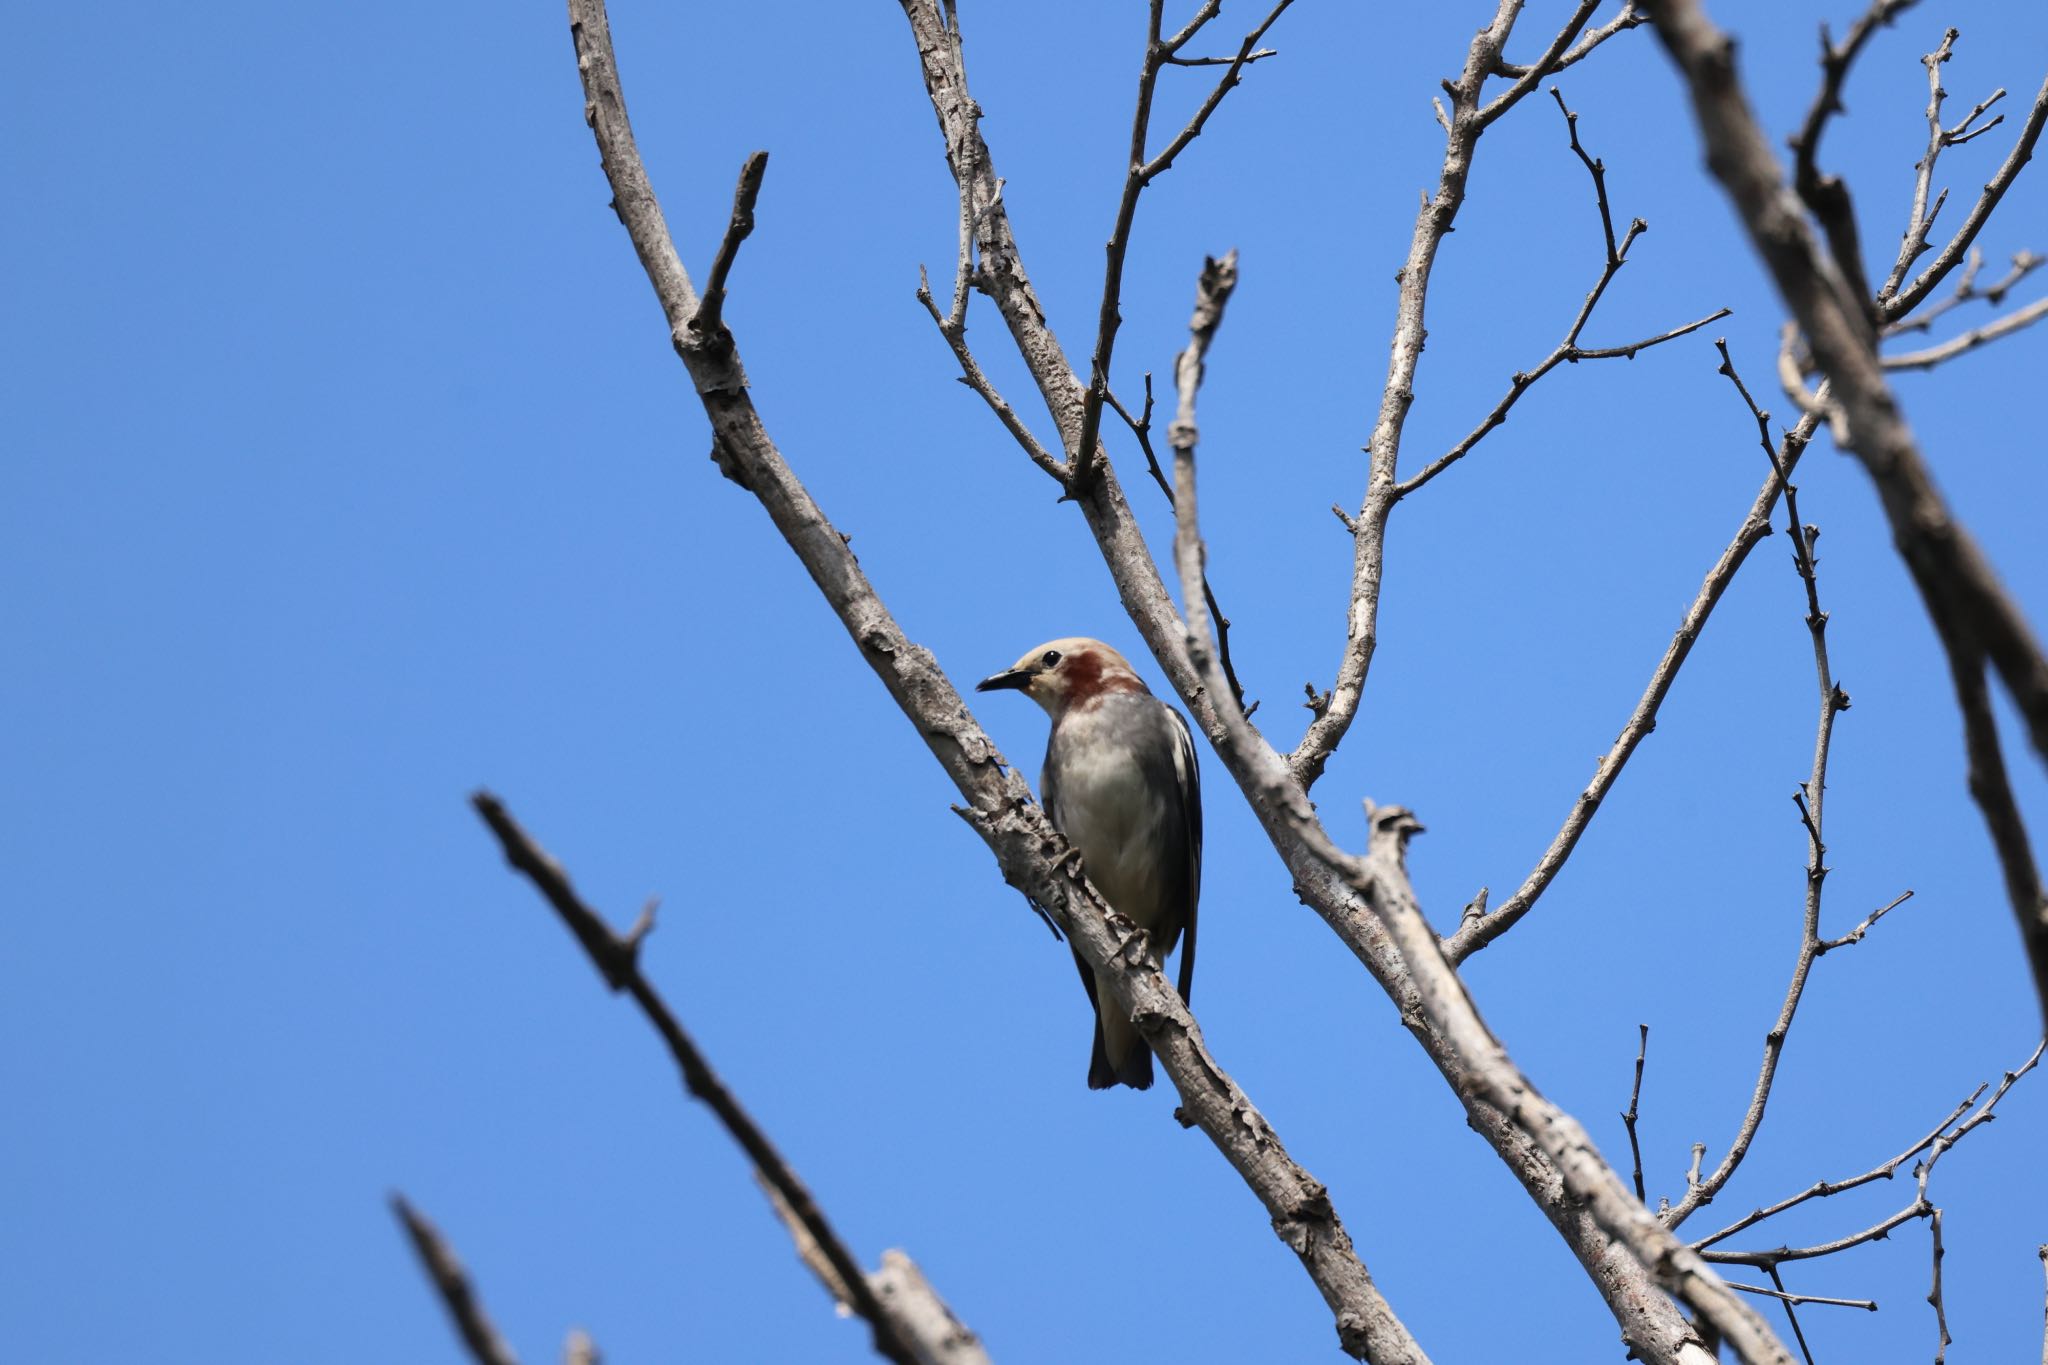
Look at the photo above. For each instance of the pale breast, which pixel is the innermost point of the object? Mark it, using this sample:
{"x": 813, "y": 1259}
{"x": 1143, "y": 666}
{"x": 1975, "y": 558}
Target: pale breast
{"x": 1101, "y": 769}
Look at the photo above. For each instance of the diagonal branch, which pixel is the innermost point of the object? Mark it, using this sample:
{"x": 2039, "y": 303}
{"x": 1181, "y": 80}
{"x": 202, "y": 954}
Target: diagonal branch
{"x": 1978, "y": 623}
{"x": 1381, "y": 879}
{"x": 1465, "y": 123}
{"x": 617, "y": 958}
{"x": 451, "y": 1282}
{"x": 1479, "y": 930}
{"x": 1812, "y": 804}
{"x": 1567, "y": 351}
{"x": 1904, "y": 301}
{"x": 1827, "y": 195}
{"x": 1030, "y": 852}
{"x": 1969, "y": 341}
{"x": 1140, "y": 172}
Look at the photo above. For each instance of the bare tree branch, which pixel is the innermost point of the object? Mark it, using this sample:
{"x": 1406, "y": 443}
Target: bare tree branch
{"x": 1381, "y": 879}
{"x": 1935, "y": 1145}
{"x": 1629, "y": 1115}
{"x": 1630, "y": 17}
{"x": 1976, "y": 620}
{"x": 1000, "y": 809}
{"x": 1904, "y": 301}
{"x": 1811, "y": 802}
{"x": 1464, "y": 125}
{"x": 451, "y": 1282}
{"x": 617, "y": 958}
{"x": 1475, "y": 933}
{"x": 1139, "y": 173}
{"x": 1865, "y": 1304}
{"x": 2012, "y": 322}
{"x": 1567, "y": 351}
{"x": 1826, "y": 195}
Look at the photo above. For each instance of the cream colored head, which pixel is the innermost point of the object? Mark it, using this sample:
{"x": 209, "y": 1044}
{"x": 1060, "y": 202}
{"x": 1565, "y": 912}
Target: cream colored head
{"x": 1061, "y": 673}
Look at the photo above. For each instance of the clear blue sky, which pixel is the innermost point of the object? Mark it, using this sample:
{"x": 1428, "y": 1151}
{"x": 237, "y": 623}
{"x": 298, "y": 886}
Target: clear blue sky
{"x": 349, "y": 470}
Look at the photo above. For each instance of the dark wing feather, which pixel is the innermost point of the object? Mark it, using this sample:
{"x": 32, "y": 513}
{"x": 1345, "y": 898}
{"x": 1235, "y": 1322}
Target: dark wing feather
{"x": 1189, "y": 773}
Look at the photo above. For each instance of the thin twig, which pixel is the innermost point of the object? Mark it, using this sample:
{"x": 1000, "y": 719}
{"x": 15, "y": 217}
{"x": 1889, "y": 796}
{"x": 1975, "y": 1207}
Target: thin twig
{"x": 1868, "y": 1305}
{"x": 1791, "y": 1305}
{"x": 1628, "y": 1115}
{"x": 451, "y": 1282}
{"x": 1756, "y": 525}
{"x": 1943, "y": 1140}
{"x": 1138, "y": 174}
{"x": 1630, "y": 17}
{"x": 1969, "y": 341}
{"x": 1141, "y": 429}
{"x": 972, "y": 376}
{"x": 1826, "y": 195}
{"x": 1898, "y": 305}
{"x": 1811, "y": 802}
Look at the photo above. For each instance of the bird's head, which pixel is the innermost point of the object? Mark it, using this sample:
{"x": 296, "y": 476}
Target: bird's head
{"x": 1063, "y": 673}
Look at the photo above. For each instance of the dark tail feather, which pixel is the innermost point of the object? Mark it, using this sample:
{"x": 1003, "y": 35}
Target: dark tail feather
{"x": 1136, "y": 1071}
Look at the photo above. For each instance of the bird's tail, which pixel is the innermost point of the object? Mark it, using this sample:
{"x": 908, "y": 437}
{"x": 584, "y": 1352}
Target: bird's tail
{"x": 1120, "y": 1056}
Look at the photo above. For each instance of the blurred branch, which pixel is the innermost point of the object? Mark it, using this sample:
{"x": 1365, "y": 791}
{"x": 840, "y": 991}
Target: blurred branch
{"x": 617, "y": 958}
{"x": 451, "y": 1282}
{"x": 1979, "y": 624}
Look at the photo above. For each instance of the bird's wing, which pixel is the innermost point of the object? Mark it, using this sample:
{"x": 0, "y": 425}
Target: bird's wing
{"x": 1188, "y": 781}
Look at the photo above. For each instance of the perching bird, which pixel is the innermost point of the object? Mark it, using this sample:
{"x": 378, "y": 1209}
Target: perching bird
{"x": 1120, "y": 782}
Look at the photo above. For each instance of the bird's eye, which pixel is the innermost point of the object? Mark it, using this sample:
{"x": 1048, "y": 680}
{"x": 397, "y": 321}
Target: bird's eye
{"x": 1050, "y": 659}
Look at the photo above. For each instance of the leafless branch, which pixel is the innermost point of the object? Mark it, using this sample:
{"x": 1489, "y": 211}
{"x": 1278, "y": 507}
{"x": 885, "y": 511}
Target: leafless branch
{"x": 451, "y": 1282}
{"x": 1475, "y": 934}
{"x": 1943, "y": 1139}
{"x": 579, "y": 1349}
{"x": 972, "y": 376}
{"x": 1898, "y": 304}
{"x": 1866, "y": 1304}
{"x": 1977, "y": 621}
{"x": 1630, "y": 17}
{"x": 1826, "y": 195}
{"x": 1381, "y": 878}
{"x": 707, "y": 319}
{"x": 1139, "y": 173}
{"x": 2012, "y": 322}
{"x": 1628, "y": 1115}
{"x": 618, "y": 959}
{"x": 1468, "y": 119}
{"x": 1934, "y": 1299}
{"x": 1141, "y": 429}
{"x": 1000, "y": 809}
{"x": 1811, "y": 803}
{"x": 1792, "y": 1314}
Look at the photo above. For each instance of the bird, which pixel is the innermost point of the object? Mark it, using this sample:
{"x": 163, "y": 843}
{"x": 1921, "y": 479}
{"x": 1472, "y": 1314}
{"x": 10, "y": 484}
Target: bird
{"x": 1122, "y": 785}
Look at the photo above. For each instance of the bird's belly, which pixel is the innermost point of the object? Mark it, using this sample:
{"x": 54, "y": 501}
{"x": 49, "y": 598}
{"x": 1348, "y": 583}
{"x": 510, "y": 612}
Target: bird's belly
{"x": 1107, "y": 813}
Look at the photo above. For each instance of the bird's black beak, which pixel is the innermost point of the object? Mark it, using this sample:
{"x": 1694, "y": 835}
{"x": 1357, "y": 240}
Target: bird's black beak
{"x": 1015, "y": 679}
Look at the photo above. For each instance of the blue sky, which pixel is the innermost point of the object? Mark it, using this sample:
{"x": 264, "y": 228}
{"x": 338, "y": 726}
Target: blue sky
{"x": 349, "y": 470}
